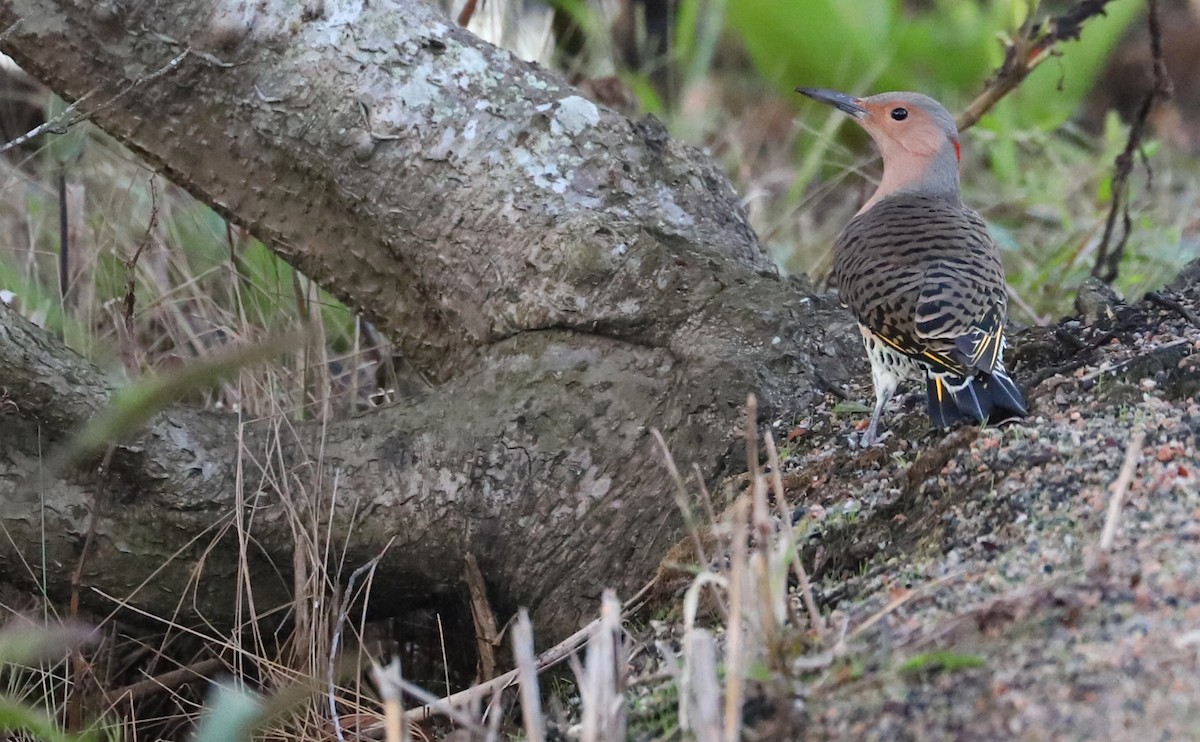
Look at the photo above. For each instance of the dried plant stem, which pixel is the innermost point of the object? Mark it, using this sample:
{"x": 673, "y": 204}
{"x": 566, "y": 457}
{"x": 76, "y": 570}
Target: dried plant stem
{"x": 527, "y": 670}
{"x": 486, "y": 636}
{"x": 1120, "y": 488}
{"x": 735, "y": 633}
{"x": 1108, "y": 259}
{"x": 806, "y": 592}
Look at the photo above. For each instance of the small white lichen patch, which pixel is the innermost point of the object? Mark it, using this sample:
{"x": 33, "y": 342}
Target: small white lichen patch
{"x": 629, "y": 306}
{"x": 574, "y": 114}
{"x": 471, "y": 61}
{"x": 543, "y": 174}
{"x": 417, "y": 91}
{"x": 445, "y": 146}
{"x": 534, "y": 82}
{"x": 469, "y": 130}
{"x": 343, "y": 12}
{"x": 671, "y": 209}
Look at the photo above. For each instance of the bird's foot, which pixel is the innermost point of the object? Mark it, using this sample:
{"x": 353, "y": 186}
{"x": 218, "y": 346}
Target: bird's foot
{"x": 871, "y": 438}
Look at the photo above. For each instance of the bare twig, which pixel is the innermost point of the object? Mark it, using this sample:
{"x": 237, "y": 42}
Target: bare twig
{"x": 468, "y": 12}
{"x": 1033, "y": 43}
{"x": 336, "y": 641}
{"x": 1166, "y": 302}
{"x": 486, "y": 636}
{"x": 57, "y": 124}
{"x": 10, "y": 30}
{"x": 1108, "y": 259}
{"x": 71, "y": 115}
{"x": 168, "y": 681}
{"x": 1120, "y": 487}
{"x": 900, "y": 600}
{"x": 131, "y": 264}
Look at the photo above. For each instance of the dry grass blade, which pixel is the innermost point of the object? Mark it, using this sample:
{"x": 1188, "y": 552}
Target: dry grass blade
{"x": 806, "y": 592}
{"x": 681, "y": 498}
{"x": 531, "y": 706}
{"x": 336, "y": 640}
{"x": 735, "y": 639}
{"x": 700, "y": 690}
{"x": 601, "y": 682}
{"x": 388, "y": 681}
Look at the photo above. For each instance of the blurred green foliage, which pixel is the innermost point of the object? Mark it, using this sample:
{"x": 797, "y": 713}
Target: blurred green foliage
{"x": 949, "y": 49}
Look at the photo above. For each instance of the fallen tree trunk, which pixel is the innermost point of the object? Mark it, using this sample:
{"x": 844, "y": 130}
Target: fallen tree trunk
{"x": 567, "y": 278}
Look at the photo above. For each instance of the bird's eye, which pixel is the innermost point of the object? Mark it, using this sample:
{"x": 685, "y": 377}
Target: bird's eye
{"x": 899, "y": 114}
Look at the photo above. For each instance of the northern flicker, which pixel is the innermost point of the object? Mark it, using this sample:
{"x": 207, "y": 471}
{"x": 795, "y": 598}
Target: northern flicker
{"x": 920, "y": 271}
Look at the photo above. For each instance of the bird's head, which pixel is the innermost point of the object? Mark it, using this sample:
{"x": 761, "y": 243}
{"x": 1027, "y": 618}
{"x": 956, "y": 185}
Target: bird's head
{"x": 915, "y": 134}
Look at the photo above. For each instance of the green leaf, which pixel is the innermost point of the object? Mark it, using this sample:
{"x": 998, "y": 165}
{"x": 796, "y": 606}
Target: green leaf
{"x": 945, "y": 661}
{"x": 850, "y": 407}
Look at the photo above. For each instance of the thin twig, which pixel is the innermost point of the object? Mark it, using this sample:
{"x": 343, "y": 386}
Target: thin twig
{"x": 468, "y": 12}
{"x": 1108, "y": 259}
{"x": 57, "y": 124}
{"x": 486, "y": 636}
{"x": 1033, "y": 44}
{"x": 1155, "y": 297}
{"x": 168, "y": 681}
{"x": 71, "y": 115}
{"x": 1120, "y": 487}
{"x": 10, "y": 30}
{"x": 336, "y": 641}
{"x": 131, "y": 264}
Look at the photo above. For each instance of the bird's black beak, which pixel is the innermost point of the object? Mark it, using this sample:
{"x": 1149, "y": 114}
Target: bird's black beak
{"x": 846, "y": 103}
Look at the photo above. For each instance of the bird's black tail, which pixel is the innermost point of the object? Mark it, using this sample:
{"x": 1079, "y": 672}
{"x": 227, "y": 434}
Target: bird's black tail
{"x": 984, "y": 397}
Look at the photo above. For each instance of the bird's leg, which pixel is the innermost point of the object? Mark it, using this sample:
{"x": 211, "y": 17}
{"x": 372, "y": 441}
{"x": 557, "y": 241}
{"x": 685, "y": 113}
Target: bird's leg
{"x": 885, "y": 382}
{"x": 868, "y": 438}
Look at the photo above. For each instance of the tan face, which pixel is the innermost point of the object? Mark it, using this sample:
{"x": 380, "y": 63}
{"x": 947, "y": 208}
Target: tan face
{"x": 901, "y": 128}
{"x": 915, "y": 134}
{"x": 905, "y": 126}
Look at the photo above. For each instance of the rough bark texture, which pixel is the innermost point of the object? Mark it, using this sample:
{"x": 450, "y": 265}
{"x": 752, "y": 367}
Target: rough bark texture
{"x": 570, "y": 280}
{"x": 458, "y": 195}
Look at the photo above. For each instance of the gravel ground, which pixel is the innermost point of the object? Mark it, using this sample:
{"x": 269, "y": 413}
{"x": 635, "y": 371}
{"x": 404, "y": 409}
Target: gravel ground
{"x": 988, "y": 546}
{"x": 982, "y": 584}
